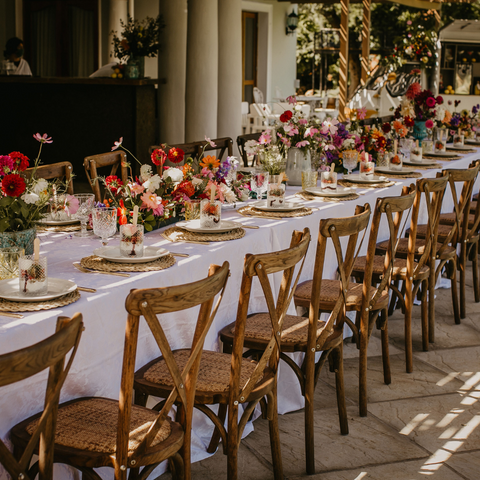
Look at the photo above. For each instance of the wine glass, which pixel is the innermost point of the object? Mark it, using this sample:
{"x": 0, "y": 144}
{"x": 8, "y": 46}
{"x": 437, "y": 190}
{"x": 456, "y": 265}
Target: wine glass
{"x": 104, "y": 223}
{"x": 259, "y": 182}
{"x": 350, "y": 160}
{"x": 85, "y": 206}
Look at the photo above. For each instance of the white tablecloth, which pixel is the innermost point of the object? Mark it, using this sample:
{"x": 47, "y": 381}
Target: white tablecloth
{"x": 97, "y": 368}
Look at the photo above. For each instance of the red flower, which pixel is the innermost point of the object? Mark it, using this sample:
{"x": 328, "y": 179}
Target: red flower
{"x": 122, "y": 213}
{"x": 158, "y": 156}
{"x": 386, "y": 127}
{"x": 439, "y": 100}
{"x": 409, "y": 122}
{"x": 175, "y": 155}
{"x": 13, "y": 185}
{"x": 186, "y": 187}
{"x": 413, "y": 90}
{"x": 113, "y": 183}
{"x": 286, "y": 116}
{"x": 430, "y": 102}
{"x": 20, "y": 160}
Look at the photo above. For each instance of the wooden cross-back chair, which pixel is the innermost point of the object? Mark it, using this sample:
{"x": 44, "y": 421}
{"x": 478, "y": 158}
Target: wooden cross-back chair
{"x": 458, "y": 228}
{"x": 60, "y": 170}
{"x": 387, "y": 271}
{"x": 114, "y": 160}
{"x": 231, "y": 380}
{"x": 425, "y": 251}
{"x": 241, "y": 141}
{"x": 22, "y": 364}
{"x": 95, "y": 432}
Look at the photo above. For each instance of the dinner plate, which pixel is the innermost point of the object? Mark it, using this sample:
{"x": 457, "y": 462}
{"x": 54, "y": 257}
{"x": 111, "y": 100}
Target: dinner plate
{"x": 397, "y": 172}
{"x": 340, "y": 192}
{"x": 287, "y": 207}
{"x": 194, "y": 226}
{"x": 356, "y": 178}
{"x": 112, "y": 254}
{"x": 439, "y": 154}
{"x": 451, "y": 146}
{"x": 9, "y": 290}
{"x": 472, "y": 142}
{"x": 425, "y": 162}
{"x": 47, "y": 221}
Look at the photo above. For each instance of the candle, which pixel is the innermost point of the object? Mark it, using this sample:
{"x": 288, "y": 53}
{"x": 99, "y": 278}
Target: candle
{"x": 135, "y": 215}
{"x": 212, "y": 194}
{"x": 36, "y": 249}
{"x": 280, "y": 179}
{"x": 395, "y": 142}
{"x": 366, "y": 157}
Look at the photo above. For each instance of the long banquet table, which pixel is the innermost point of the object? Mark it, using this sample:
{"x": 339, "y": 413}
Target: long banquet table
{"x": 97, "y": 367}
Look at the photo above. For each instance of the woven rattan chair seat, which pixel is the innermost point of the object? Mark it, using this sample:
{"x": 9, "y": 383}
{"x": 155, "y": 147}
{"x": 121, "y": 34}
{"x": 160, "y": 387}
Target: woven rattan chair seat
{"x": 399, "y": 267}
{"x": 443, "y": 231}
{"x": 91, "y": 424}
{"x": 449, "y": 219}
{"x": 419, "y": 247}
{"x": 330, "y": 290}
{"x": 214, "y": 374}
{"x": 295, "y": 329}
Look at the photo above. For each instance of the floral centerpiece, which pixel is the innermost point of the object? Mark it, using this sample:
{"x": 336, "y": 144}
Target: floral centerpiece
{"x": 161, "y": 196}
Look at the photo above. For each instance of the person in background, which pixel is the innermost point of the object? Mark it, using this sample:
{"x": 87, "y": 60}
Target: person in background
{"x": 14, "y": 64}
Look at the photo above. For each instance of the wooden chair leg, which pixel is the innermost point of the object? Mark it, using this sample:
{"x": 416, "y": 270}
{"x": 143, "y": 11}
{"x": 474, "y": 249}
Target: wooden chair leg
{"x": 233, "y": 444}
{"x": 462, "y": 263}
{"x": 363, "y": 366}
{"x": 141, "y": 399}
{"x": 387, "y": 374}
{"x": 275, "y": 436}
{"x": 177, "y": 467}
{"x": 391, "y": 307}
{"x": 215, "y": 440}
{"x": 340, "y": 388}
{"x": 408, "y": 330}
{"x": 476, "y": 287}
{"x": 309, "y": 430}
{"x": 431, "y": 302}
{"x": 424, "y": 315}
{"x": 186, "y": 452}
{"x": 454, "y": 290}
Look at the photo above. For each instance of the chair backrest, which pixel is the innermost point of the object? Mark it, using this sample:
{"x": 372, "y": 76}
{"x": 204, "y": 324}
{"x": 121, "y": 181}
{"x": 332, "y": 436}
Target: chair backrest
{"x": 261, "y": 266}
{"x": 334, "y": 229}
{"x": 58, "y": 170}
{"x": 474, "y": 228}
{"x": 222, "y": 145}
{"x": 258, "y": 95}
{"x": 111, "y": 159}
{"x": 241, "y": 140}
{"x": 22, "y": 364}
{"x": 149, "y": 303}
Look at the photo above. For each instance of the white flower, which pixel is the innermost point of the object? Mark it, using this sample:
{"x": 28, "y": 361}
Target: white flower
{"x": 408, "y": 50}
{"x": 152, "y": 184}
{"x": 440, "y": 113}
{"x": 230, "y": 197}
{"x": 175, "y": 174}
{"x": 244, "y": 195}
{"x": 30, "y": 198}
{"x": 349, "y": 143}
{"x": 407, "y": 108}
{"x": 145, "y": 172}
{"x": 40, "y": 186}
{"x": 251, "y": 147}
{"x": 196, "y": 181}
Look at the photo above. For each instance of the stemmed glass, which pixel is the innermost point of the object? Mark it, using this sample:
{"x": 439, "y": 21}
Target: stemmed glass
{"x": 350, "y": 160}
{"x": 259, "y": 183}
{"x": 104, "y": 223}
{"x": 85, "y": 206}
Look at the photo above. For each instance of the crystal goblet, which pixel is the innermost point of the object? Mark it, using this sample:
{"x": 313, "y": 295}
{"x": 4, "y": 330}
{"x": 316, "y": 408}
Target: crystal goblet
{"x": 104, "y": 223}
{"x": 85, "y": 206}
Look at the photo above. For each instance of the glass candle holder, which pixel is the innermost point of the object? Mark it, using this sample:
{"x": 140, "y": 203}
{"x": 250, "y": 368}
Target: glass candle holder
{"x": 275, "y": 192}
{"x": 458, "y": 139}
{"x": 367, "y": 170}
{"x": 309, "y": 178}
{"x": 416, "y": 154}
{"x": 32, "y": 275}
{"x": 427, "y": 146}
{"x": 131, "y": 240}
{"x": 9, "y": 262}
{"x": 441, "y": 142}
{"x": 58, "y": 212}
{"x": 395, "y": 162}
{"x": 210, "y": 213}
{"x": 382, "y": 160}
{"x": 192, "y": 210}
{"x": 328, "y": 181}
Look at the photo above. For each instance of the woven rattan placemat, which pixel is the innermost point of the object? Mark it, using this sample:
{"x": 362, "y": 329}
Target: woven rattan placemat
{"x": 101, "y": 265}
{"x": 404, "y": 175}
{"x": 461, "y": 151}
{"x": 346, "y": 183}
{"x": 249, "y": 211}
{"x": 426, "y": 167}
{"x": 10, "y": 306}
{"x": 442, "y": 159}
{"x": 345, "y": 198}
{"x": 177, "y": 234}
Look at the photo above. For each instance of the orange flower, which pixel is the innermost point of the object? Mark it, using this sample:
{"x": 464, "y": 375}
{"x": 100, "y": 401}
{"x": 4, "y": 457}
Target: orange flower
{"x": 186, "y": 169}
{"x": 447, "y": 117}
{"x": 210, "y": 162}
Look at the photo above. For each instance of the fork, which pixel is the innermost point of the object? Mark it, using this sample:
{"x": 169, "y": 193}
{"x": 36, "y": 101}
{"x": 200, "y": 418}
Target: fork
{"x": 84, "y": 270}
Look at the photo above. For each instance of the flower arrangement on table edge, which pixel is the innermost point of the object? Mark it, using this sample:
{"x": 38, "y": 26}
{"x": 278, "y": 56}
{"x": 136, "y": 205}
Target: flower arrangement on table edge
{"x": 464, "y": 121}
{"x": 24, "y": 199}
{"x": 162, "y": 195}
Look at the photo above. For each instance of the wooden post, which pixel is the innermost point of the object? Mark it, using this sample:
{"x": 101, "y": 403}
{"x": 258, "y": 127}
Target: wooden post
{"x": 343, "y": 80}
{"x": 366, "y": 40}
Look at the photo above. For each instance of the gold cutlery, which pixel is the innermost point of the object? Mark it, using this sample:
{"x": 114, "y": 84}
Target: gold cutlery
{"x": 241, "y": 225}
{"x": 183, "y": 241}
{"x": 84, "y": 270}
{"x": 13, "y": 315}
{"x": 85, "y": 289}
{"x": 179, "y": 254}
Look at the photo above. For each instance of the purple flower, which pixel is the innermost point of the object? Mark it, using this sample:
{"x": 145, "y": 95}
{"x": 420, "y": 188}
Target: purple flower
{"x": 6, "y": 165}
{"x": 43, "y": 138}
{"x": 455, "y": 121}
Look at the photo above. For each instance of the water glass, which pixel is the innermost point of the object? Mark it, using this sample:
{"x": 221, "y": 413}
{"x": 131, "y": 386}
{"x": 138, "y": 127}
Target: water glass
{"x": 328, "y": 181}
{"x": 259, "y": 182}
{"x": 458, "y": 140}
{"x": 309, "y": 179}
{"x": 131, "y": 240}
{"x": 350, "y": 160}
{"x": 275, "y": 192}
{"x": 210, "y": 213}
{"x": 367, "y": 170}
{"x": 416, "y": 154}
{"x": 32, "y": 275}
{"x": 104, "y": 223}
{"x": 192, "y": 209}
{"x": 9, "y": 262}
{"x": 441, "y": 143}
{"x": 427, "y": 146}
{"x": 396, "y": 161}
{"x": 85, "y": 206}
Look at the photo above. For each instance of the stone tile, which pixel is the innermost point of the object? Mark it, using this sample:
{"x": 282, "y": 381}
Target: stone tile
{"x": 414, "y": 470}
{"x": 448, "y": 422}
{"x": 369, "y": 442}
{"x": 425, "y": 380}
{"x": 461, "y": 363}
{"x": 326, "y": 396}
{"x": 468, "y": 464}
{"x": 350, "y": 349}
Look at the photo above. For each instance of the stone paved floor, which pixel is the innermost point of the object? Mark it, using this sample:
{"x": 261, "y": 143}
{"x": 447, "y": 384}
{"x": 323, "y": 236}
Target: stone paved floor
{"x": 424, "y": 425}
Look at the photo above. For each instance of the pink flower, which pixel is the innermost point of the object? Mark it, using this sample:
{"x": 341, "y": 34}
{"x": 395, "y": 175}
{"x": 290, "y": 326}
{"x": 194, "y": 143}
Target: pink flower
{"x": 213, "y": 145}
{"x": 290, "y": 130}
{"x": 43, "y": 138}
{"x": 136, "y": 188}
{"x": 302, "y": 121}
{"x": 152, "y": 202}
{"x": 6, "y": 165}
{"x": 430, "y": 102}
{"x": 429, "y": 124}
{"x": 409, "y": 22}
{"x": 452, "y": 132}
{"x": 310, "y": 132}
{"x": 302, "y": 144}
{"x": 207, "y": 173}
{"x": 265, "y": 138}
{"x": 71, "y": 204}
{"x": 292, "y": 100}
{"x": 117, "y": 144}
{"x": 362, "y": 113}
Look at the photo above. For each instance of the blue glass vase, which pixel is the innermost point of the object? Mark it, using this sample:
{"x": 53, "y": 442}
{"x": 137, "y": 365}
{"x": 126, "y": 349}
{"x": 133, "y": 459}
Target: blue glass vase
{"x": 420, "y": 131}
{"x": 23, "y": 239}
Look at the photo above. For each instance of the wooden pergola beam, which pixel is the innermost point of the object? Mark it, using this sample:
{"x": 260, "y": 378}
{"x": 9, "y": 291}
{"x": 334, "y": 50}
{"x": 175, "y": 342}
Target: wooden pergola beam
{"x": 366, "y": 41}
{"x": 343, "y": 80}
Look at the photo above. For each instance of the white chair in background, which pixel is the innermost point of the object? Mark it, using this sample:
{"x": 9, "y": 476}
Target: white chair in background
{"x": 245, "y": 120}
{"x": 258, "y": 95}
{"x": 261, "y": 117}
{"x": 280, "y": 107}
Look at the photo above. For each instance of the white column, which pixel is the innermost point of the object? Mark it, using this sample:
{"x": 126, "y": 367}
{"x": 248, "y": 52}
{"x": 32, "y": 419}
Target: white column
{"x": 172, "y": 59}
{"x": 229, "y": 69}
{"x": 202, "y": 70}
{"x": 118, "y": 11}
